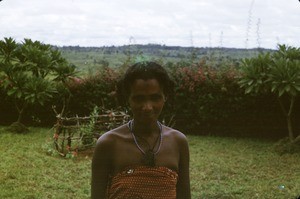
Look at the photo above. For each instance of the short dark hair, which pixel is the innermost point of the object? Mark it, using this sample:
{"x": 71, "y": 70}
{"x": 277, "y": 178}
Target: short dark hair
{"x": 144, "y": 70}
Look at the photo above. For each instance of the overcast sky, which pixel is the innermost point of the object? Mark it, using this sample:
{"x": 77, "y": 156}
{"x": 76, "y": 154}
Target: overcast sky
{"x": 199, "y": 23}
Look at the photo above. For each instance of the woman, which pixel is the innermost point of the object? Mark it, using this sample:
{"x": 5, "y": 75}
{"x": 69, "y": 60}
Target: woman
{"x": 143, "y": 158}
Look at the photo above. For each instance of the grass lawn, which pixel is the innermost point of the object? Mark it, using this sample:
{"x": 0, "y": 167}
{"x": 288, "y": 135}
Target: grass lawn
{"x": 220, "y": 168}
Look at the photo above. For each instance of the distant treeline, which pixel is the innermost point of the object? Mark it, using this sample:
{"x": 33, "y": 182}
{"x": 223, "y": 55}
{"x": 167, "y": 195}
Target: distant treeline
{"x": 168, "y": 51}
{"x": 88, "y": 60}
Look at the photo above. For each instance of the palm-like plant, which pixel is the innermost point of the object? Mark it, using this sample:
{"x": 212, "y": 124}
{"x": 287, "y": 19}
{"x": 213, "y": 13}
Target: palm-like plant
{"x": 278, "y": 73}
{"x": 29, "y": 72}
{"x": 255, "y": 72}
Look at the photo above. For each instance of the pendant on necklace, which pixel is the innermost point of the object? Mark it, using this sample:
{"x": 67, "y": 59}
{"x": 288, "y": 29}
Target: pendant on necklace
{"x": 149, "y": 158}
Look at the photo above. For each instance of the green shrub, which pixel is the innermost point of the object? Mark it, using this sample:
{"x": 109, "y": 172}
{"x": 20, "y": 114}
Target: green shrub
{"x": 205, "y": 95}
{"x": 94, "y": 90}
{"x": 207, "y": 100}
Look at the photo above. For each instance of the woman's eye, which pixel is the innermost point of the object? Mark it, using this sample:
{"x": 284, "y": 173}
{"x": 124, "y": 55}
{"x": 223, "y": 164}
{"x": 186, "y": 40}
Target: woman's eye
{"x": 153, "y": 98}
{"x": 138, "y": 98}
{"x": 156, "y": 98}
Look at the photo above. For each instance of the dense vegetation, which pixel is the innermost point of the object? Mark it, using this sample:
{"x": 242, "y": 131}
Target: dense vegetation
{"x": 31, "y": 73}
{"x": 208, "y": 95}
{"x": 277, "y": 73}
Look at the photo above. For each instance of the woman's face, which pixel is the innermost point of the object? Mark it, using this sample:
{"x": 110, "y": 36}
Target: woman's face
{"x": 146, "y": 100}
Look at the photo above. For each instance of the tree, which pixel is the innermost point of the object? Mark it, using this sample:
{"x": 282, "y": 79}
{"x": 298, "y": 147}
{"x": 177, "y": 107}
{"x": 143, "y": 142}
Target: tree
{"x": 30, "y": 72}
{"x": 278, "y": 73}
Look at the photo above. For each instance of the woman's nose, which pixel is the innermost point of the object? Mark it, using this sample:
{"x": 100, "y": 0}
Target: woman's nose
{"x": 147, "y": 106}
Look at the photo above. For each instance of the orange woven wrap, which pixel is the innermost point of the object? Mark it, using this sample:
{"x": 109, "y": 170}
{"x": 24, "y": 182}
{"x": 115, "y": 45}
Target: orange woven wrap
{"x": 143, "y": 183}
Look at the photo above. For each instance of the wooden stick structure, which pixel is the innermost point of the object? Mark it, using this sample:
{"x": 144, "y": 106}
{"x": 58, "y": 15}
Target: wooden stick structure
{"x": 75, "y": 134}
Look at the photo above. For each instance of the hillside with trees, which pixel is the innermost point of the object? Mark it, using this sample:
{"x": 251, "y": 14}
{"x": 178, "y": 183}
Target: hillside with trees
{"x": 88, "y": 59}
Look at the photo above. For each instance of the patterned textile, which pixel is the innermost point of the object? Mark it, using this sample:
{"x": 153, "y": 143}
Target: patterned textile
{"x": 143, "y": 182}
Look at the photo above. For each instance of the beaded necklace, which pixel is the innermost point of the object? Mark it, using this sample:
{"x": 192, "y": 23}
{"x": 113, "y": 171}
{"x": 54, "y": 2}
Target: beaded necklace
{"x": 148, "y": 156}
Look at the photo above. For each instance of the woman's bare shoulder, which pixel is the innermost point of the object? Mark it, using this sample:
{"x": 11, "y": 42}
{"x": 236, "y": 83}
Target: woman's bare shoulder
{"x": 176, "y": 134}
{"x": 110, "y": 137}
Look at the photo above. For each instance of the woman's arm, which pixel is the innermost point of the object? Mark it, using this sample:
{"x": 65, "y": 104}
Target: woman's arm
{"x": 183, "y": 185}
{"x": 101, "y": 165}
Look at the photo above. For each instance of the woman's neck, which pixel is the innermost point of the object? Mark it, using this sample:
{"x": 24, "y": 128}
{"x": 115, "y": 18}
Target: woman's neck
{"x": 148, "y": 129}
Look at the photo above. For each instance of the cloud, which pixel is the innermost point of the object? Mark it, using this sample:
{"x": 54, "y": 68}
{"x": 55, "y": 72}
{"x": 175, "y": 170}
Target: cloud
{"x": 170, "y": 22}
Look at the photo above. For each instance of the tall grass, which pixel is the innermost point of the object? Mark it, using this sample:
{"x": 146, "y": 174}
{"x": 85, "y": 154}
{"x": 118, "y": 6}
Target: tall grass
{"x": 220, "y": 168}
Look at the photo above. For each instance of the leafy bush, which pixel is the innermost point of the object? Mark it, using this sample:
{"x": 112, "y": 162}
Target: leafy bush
{"x": 207, "y": 100}
{"x": 94, "y": 90}
{"x": 205, "y": 95}
{"x": 29, "y": 72}
{"x": 279, "y": 74}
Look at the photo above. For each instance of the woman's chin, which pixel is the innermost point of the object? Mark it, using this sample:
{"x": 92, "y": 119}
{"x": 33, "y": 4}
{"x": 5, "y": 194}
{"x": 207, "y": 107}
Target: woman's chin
{"x": 149, "y": 119}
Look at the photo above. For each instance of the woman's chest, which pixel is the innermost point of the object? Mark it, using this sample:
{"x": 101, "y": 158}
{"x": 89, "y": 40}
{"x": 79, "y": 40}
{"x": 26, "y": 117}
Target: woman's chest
{"x": 127, "y": 153}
